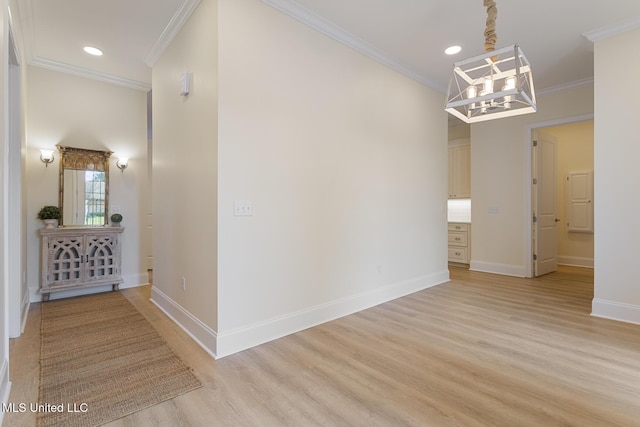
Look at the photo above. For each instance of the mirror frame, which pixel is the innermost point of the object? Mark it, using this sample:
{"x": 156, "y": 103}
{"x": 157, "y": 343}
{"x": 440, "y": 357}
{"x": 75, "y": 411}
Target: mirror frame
{"x": 83, "y": 159}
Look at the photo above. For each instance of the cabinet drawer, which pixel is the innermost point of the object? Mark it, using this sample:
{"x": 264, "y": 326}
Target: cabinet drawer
{"x": 454, "y": 226}
{"x": 458, "y": 254}
{"x": 457, "y": 239}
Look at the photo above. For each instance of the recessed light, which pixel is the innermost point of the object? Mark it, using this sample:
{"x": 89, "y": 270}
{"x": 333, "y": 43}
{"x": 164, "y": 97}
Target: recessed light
{"x": 93, "y": 50}
{"x": 452, "y": 50}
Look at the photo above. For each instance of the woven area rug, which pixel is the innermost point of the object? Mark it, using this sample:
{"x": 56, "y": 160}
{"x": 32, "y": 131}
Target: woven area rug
{"x": 101, "y": 360}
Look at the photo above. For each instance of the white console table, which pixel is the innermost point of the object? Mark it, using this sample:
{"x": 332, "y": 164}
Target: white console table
{"x": 80, "y": 257}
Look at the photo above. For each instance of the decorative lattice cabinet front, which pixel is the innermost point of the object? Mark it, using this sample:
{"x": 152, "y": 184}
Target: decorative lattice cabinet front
{"x": 80, "y": 257}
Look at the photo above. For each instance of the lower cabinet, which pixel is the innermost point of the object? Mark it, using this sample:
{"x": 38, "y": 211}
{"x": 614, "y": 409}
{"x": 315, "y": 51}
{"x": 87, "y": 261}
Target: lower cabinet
{"x": 80, "y": 257}
{"x": 459, "y": 237}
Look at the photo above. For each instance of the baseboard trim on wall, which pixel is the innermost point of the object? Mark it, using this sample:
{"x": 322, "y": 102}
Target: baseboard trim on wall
{"x": 495, "y": 268}
{"x": 134, "y": 280}
{"x": 204, "y": 336}
{"x": 5, "y": 386}
{"x": 26, "y": 304}
{"x": 615, "y": 311}
{"x": 233, "y": 341}
{"x": 575, "y": 261}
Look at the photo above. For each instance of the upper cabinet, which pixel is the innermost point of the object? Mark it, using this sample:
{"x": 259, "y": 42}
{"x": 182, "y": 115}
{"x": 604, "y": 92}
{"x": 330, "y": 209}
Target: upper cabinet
{"x": 460, "y": 169}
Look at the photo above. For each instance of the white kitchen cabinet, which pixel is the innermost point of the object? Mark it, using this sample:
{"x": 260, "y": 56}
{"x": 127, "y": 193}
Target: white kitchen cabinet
{"x": 80, "y": 257}
{"x": 459, "y": 242}
{"x": 460, "y": 169}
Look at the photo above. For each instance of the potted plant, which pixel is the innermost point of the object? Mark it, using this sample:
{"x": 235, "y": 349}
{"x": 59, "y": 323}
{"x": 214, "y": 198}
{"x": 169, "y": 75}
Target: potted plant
{"x": 116, "y": 219}
{"x": 50, "y": 215}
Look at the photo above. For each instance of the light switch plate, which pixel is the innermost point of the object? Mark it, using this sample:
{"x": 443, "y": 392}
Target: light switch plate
{"x": 242, "y": 208}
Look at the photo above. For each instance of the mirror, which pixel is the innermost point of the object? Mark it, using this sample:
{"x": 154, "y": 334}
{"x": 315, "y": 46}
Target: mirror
{"x": 84, "y": 186}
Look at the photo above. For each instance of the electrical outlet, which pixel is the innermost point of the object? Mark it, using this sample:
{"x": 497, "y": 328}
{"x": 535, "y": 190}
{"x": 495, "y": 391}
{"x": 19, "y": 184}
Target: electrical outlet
{"x": 184, "y": 284}
{"x": 115, "y": 209}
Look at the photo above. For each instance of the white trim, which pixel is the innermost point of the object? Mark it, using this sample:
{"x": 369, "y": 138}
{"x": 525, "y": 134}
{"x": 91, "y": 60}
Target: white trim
{"x": 615, "y": 311}
{"x": 89, "y": 74}
{"x": 134, "y": 280}
{"x": 204, "y": 336}
{"x": 460, "y": 142}
{"x": 328, "y": 28}
{"x": 528, "y": 177}
{"x": 497, "y": 268}
{"x": 239, "y": 339}
{"x": 575, "y": 261}
{"x": 181, "y": 16}
{"x": 5, "y": 385}
{"x": 565, "y": 86}
{"x": 171, "y": 30}
{"x": 26, "y": 304}
{"x": 15, "y": 207}
{"x": 25, "y": 13}
{"x": 34, "y": 296}
{"x": 612, "y": 30}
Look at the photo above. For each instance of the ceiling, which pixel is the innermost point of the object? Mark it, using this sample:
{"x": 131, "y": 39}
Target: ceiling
{"x": 408, "y": 35}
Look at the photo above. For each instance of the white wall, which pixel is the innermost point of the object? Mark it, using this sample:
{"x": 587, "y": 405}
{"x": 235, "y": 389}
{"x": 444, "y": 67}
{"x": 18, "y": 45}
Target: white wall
{"x": 500, "y": 170}
{"x": 78, "y": 112}
{"x": 458, "y": 131}
{"x": 4, "y": 209}
{"x": 617, "y": 150}
{"x": 18, "y": 293}
{"x": 185, "y": 177}
{"x": 345, "y": 162}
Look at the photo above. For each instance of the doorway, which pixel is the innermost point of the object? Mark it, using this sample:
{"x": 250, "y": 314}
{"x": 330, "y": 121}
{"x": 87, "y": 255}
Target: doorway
{"x": 561, "y": 196}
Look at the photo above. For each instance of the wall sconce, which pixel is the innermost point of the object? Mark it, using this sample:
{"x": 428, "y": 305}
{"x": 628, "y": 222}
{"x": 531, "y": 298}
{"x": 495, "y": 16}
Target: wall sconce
{"x": 122, "y": 163}
{"x": 46, "y": 157}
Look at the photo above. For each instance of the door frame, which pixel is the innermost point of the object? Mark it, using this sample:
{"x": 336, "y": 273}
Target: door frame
{"x": 528, "y": 179}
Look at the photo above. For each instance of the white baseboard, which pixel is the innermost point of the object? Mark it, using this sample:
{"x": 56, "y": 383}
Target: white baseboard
{"x": 495, "y": 268}
{"x": 201, "y": 333}
{"x": 615, "y": 311}
{"x": 134, "y": 280}
{"x": 34, "y": 296}
{"x": 233, "y": 341}
{"x": 575, "y": 261}
{"x": 221, "y": 345}
{"x": 26, "y": 304}
{"x": 5, "y": 385}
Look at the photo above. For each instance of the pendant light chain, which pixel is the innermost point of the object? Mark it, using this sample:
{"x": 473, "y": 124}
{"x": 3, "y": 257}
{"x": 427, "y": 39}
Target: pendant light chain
{"x": 496, "y": 84}
{"x": 490, "y": 36}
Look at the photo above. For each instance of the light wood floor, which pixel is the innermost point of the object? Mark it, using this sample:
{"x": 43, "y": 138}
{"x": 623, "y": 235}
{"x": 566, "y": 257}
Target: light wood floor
{"x": 480, "y": 350}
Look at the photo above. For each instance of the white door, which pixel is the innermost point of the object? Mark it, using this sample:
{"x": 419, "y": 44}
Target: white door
{"x": 545, "y": 204}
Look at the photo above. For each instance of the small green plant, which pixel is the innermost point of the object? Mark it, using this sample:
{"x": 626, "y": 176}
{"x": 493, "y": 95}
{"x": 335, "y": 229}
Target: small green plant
{"x": 50, "y": 212}
{"x": 116, "y": 218}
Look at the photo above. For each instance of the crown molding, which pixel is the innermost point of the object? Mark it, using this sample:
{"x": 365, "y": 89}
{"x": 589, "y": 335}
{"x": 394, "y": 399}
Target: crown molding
{"x": 25, "y": 12}
{"x": 27, "y": 29}
{"x": 171, "y": 30}
{"x": 612, "y": 30}
{"x": 565, "y": 86}
{"x": 315, "y": 21}
{"x": 90, "y": 74}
